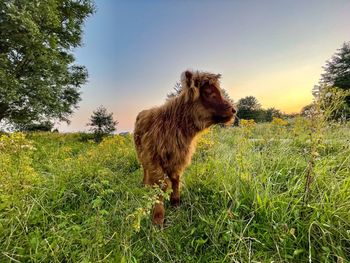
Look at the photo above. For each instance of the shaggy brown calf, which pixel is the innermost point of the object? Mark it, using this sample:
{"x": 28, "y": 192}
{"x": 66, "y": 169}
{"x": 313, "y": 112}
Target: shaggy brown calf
{"x": 165, "y": 136}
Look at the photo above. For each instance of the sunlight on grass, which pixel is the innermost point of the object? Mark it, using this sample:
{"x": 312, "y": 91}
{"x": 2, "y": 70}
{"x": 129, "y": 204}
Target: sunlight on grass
{"x": 67, "y": 199}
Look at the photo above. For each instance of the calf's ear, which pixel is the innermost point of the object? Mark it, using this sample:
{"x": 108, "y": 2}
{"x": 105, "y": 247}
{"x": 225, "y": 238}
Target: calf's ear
{"x": 187, "y": 78}
{"x": 188, "y": 75}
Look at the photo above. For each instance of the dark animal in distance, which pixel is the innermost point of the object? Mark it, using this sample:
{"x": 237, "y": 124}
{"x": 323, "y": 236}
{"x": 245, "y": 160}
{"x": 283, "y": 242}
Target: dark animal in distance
{"x": 165, "y": 136}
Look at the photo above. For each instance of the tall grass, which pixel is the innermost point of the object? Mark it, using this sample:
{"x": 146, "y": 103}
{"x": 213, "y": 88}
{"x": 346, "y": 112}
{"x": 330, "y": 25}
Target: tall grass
{"x": 243, "y": 199}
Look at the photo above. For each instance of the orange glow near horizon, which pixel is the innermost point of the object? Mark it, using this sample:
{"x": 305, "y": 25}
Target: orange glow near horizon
{"x": 288, "y": 90}
{"x": 274, "y": 51}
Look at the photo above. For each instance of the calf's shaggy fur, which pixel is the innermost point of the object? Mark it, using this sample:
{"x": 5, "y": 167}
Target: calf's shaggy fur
{"x": 165, "y": 136}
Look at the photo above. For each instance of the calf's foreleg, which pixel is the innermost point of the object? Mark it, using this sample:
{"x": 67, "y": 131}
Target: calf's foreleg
{"x": 175, "y": 195}
{"x": 156, "y": 178}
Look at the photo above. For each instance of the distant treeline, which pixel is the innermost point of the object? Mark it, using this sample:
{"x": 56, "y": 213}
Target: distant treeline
{"x": 249, "y": 108}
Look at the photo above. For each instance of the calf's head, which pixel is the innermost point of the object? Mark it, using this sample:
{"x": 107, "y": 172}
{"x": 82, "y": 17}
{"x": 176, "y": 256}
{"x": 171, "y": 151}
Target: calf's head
{"x": 212, "y": 107}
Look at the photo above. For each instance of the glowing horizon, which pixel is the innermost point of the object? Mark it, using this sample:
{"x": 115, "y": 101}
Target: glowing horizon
{"x": 136, "y": 51}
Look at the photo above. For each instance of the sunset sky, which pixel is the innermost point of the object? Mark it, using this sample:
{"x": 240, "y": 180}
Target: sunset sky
{"x": 136, "y": 50}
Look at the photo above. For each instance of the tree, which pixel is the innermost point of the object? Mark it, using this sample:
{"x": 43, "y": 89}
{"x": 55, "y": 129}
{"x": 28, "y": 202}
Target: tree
{"x": 45, "y": 126}
{"x": 227, "y": 96}
{"x": 249, "y": 102}
{"x": 249, "y": 108}
{"x": 176, "y": 92}
{"x": 306, "y": 110}
{"x": 38, "y": 78}
{"x": 102, "y": 123}
{"x": 337, "y": 70}
{"x": 270, "y": 113}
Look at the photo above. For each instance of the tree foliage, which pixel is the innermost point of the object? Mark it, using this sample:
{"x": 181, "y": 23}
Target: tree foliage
{"x": 45, "y": 126}
{"x": 271, "y": 113}
{"x": 337, "y": 70}
{"x": 102, "y": 123}
{"x": 38, "y": 78}
{"x": 305, "y": 111}
{"x": 249, "y": 102}
{"x": 249, "y": 108}
{"x": 176, "y": 92}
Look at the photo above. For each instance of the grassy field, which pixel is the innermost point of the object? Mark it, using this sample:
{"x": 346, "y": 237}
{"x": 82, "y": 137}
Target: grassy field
{"x": 244, "y": 198}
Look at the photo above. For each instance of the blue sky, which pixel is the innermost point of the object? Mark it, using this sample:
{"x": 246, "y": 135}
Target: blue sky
{"x": 135, "y": 51}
